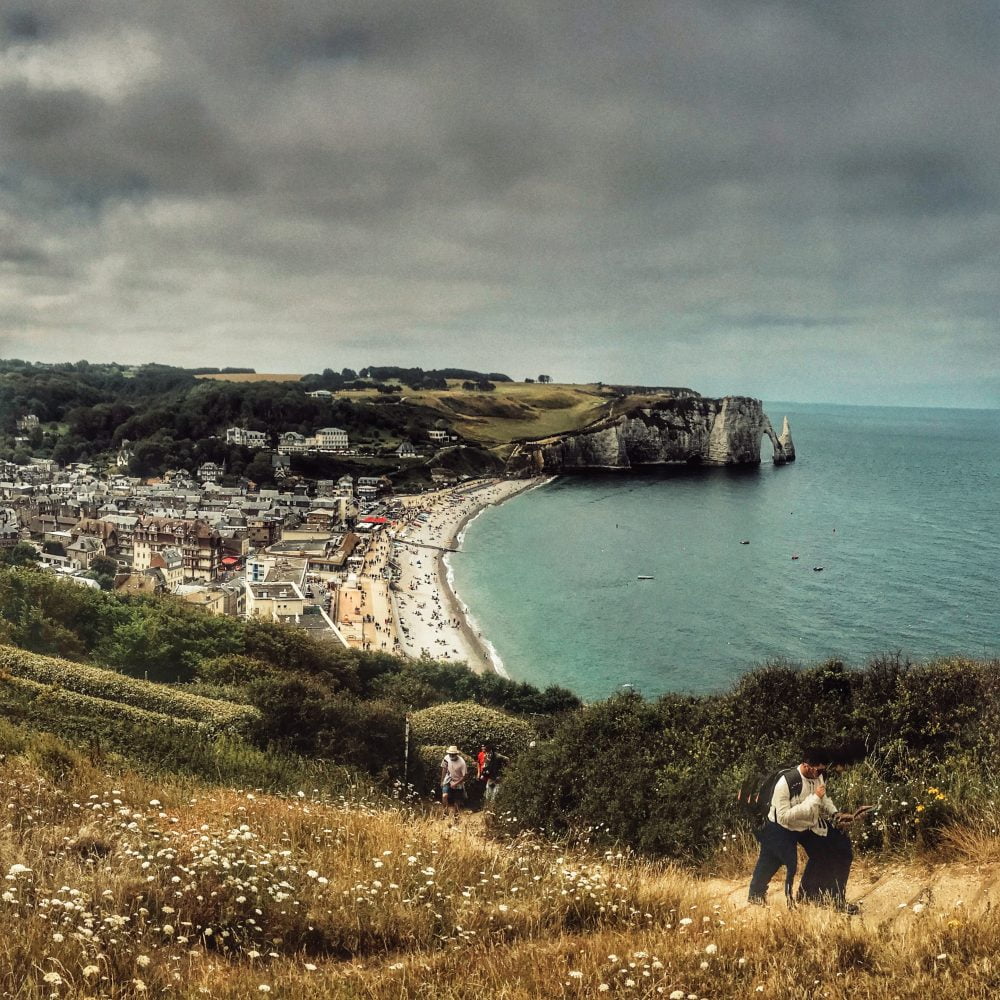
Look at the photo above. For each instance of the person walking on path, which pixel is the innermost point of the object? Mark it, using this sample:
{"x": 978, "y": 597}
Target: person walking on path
{"x": 453, "y": 774}
{"x": 800, "y": 812}
{"x": 493, "y": 769}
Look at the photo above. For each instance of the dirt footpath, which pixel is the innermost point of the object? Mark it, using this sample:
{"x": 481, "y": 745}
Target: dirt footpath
{"x": 888, "y": 893}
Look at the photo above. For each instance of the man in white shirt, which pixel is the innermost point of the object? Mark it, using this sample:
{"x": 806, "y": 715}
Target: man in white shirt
{"x": 453, "y": 773}
{"x": 800, "y": 812}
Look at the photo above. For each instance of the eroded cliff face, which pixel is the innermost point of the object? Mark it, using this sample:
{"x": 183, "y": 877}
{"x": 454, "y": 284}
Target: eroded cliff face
{"x": 725, "y": 431}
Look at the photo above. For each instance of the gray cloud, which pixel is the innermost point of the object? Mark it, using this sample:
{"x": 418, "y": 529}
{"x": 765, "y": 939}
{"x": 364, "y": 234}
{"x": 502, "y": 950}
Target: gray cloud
{"x": 767, "y": 197}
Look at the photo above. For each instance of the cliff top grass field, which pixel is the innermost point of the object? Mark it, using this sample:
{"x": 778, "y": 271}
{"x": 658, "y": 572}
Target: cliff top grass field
{"x": 511, "y": 411}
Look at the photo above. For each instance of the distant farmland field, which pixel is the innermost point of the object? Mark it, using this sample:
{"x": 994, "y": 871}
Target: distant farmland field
{"x": 253, "y": 377}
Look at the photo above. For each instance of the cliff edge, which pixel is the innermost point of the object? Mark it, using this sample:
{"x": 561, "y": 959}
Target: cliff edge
{"x": 689, "y": 429}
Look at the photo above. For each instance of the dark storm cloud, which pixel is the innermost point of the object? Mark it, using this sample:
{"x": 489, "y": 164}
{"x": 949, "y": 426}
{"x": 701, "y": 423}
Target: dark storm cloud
{"x": 153, "y": 141}
{"x": 754, "y": 196}
{"x": 22, "y": 24}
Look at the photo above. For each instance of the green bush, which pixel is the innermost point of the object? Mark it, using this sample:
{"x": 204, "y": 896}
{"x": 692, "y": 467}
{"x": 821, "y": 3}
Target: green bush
{"x": 54, "y": 728}
{"x": 469, "y": 725}
{"x": 423, "y": 683}
{"x": 72, "y": 701}
{"x": 663, "y": 776}
{"x": 121, "y": 690}
{"x": 300, "y": 713}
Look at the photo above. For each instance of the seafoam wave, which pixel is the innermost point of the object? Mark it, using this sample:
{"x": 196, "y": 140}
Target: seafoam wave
{"x": 449, "y": 574}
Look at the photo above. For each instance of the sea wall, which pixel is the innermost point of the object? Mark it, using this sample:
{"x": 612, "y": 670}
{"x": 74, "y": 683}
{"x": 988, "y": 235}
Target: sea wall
{"x": 692, "y": 429}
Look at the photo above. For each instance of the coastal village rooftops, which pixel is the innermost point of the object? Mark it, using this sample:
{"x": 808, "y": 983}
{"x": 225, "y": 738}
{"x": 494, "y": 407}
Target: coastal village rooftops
{"x": 315, "y": 545}
{"x": 316, "y": 622}
{"x": 175, "y": 525}
{"x": 283, "y": 570}
{"x": 278, "y": 590}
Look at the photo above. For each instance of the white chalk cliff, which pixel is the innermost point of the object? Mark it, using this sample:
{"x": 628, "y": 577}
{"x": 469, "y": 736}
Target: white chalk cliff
{"x": 691, "y": 429}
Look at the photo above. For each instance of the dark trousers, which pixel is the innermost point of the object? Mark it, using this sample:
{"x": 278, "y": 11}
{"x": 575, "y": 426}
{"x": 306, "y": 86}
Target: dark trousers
{"x": 778, "y": 847}
{"x": 829, "y": 866}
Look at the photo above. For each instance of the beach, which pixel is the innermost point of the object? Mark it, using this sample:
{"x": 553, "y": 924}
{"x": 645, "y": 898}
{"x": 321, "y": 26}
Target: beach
{"x": 419, "y": 614}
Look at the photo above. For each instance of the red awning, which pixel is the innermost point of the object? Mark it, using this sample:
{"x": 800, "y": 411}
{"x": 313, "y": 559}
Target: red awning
{"x": 370, "y": 519}
{"x": 229, "y": 560}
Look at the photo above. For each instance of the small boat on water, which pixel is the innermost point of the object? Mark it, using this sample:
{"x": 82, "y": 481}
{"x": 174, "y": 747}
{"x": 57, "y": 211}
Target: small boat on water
{"x": 817, "y": 569}
{"x": 645, "y": 577}
{"x": 745, "y": 541}
{"x": 795, "y": 555}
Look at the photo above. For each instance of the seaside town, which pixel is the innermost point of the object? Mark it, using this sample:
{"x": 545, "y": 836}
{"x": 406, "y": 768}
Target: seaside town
{"x": 346, "y": 560}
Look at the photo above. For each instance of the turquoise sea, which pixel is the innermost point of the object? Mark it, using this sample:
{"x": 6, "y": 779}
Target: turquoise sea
{"x": 900, "y": 507}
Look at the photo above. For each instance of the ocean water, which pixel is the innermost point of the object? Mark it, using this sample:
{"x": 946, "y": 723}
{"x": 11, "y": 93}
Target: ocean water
{"x": 900, "y": 507}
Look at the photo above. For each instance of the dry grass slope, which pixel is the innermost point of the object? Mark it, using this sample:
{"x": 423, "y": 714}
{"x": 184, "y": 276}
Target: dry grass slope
{"x": 115, "y": 886}
{"x": 516, "y": 409}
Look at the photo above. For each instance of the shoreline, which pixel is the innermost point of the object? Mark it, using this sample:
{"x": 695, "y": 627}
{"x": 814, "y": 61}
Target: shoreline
{"x": 468, "y": 625}
{"x": 428, "y": 613}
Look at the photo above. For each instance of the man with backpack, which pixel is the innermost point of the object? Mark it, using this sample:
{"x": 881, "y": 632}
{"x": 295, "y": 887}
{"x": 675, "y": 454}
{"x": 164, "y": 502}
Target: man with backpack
{"x": 798, "y": 811}
{"x": 493, "y": 769}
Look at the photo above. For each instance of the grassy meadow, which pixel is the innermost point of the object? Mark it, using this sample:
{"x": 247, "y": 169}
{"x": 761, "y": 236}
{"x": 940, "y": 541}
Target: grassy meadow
{"x": 511, "y": 411}
{"x": 252, "y": 823}
{"x": 122, "y": 885}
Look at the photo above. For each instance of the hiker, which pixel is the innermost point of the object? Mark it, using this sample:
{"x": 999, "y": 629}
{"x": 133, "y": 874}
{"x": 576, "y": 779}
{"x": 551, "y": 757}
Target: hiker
{"x": 824, "y": 879}
{"x": 453, "y": 772}
{"x": 800, "y": 812}
{"x": 493, "y": 770}
{"x": 480, "y": 762}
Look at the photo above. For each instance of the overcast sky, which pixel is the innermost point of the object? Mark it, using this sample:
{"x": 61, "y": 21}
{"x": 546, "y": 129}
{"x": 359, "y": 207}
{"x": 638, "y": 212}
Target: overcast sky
{"x": 794, "y": 199}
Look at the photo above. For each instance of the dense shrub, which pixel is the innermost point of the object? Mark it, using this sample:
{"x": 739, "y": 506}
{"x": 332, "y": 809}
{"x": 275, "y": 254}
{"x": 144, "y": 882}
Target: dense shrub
{"x": 153, "y": 744}
{"x": 301, "y": 714}
{"x": 424, "y": 683}
{"x": 122, "y": 692}
{"x": 663, "y": 776}
{"x": 469, "y": 725}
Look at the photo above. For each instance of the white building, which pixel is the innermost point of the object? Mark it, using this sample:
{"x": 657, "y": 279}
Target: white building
{"x": 249, "y": 439}
{"x": 293, "y": 443}
{"x": 331, "y": 439}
